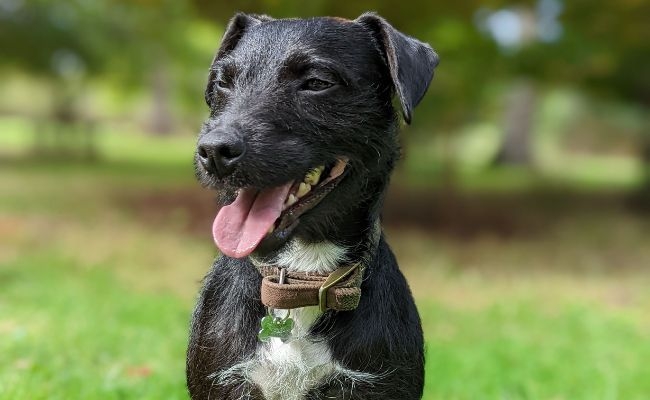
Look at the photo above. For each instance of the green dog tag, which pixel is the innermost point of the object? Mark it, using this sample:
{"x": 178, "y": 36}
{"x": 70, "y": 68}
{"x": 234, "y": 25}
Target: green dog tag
{"x": 275, "y": 327}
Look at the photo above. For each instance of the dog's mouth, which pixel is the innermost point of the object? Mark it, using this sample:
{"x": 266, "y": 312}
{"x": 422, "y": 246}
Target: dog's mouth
{"x": 262, "y": 220}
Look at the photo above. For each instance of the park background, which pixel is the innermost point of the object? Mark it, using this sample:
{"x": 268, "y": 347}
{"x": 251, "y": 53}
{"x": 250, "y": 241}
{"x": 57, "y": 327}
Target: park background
{"x": 519, "y": 213}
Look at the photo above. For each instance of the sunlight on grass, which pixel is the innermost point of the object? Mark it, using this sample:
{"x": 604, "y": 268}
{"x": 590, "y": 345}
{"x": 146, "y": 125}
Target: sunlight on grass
{"x": 471, "y": 149}
{"x": 116, "y": 144}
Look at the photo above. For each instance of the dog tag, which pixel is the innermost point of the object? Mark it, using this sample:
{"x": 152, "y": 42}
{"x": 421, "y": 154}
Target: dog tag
{"x": 273, "y": 326}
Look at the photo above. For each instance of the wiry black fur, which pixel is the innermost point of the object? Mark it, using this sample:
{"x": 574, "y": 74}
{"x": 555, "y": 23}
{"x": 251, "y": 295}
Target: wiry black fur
{"x": 256, "y": 93}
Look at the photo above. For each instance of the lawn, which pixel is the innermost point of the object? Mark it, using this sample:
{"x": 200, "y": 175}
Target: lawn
{"x": 97, "y": 283}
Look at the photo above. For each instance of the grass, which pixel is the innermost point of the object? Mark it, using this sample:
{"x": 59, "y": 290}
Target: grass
{"x": 72, "y": 333}
{"x": 95, "y": 301}
{"x": 519, "y": 350}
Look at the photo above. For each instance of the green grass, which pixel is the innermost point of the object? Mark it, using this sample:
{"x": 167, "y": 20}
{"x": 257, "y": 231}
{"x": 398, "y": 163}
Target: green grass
{"x": 516, "y": 350}
{"x": 75, "y": 333}
{"x": 72, "y": 333}
{"x": 95, "y": 300}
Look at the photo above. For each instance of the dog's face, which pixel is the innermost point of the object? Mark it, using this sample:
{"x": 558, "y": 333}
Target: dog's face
{"x": 302, "y": 131}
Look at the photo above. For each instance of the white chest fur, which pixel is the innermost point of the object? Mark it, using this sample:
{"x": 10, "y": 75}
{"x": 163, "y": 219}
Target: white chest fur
{"x": 321, "y": 258}
{"x": 287, "y": 371}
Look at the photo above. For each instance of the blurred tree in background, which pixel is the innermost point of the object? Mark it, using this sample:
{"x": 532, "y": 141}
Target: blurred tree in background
{"x": 145, "y": 61}
{"x": 131, "y": 46}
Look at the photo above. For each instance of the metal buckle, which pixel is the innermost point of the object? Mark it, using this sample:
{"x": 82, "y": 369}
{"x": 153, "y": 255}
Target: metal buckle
{"x": 333, "y": 278}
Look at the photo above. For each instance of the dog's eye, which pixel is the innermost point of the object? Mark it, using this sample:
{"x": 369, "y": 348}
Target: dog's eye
{"x": 316, "y": 85}
{"x": 224, "y": 82}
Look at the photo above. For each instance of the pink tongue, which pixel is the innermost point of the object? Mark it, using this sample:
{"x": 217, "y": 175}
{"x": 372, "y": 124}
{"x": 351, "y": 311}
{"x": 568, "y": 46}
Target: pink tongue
{"x": 241, "y": 226}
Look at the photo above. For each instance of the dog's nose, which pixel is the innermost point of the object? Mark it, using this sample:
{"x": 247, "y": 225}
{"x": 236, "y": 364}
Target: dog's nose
{"x": 220, "y": 154}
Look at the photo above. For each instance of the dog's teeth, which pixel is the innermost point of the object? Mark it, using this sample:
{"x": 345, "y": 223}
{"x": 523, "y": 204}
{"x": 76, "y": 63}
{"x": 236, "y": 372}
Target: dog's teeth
{"x": 303, "y": 189}
{"x": 271, "y": 229}
{"x": 338, "y": 168}
{"x": 313, "y": 176}
{"x": 291, "y": 200}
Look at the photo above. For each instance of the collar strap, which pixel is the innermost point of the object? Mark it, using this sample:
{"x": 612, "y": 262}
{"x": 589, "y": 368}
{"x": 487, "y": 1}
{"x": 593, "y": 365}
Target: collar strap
{"x": 340, "y": 290}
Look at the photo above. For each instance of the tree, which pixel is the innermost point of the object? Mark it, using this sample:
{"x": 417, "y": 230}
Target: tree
{"x": 134, "y": 43}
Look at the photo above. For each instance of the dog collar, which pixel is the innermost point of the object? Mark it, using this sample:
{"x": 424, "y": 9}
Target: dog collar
{"x": 339, "y": 290}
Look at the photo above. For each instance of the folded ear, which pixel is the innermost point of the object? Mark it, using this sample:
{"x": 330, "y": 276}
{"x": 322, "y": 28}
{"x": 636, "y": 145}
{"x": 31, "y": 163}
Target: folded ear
{"x": 411, "y": 62}
{"x": 234, "y": 31}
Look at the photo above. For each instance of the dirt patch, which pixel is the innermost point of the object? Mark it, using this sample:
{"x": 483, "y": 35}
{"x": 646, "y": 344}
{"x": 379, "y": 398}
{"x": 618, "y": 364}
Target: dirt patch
{"x": 453, "y": 214}
{"x": 195, "y": 207}
{"x": 467, "y": 215}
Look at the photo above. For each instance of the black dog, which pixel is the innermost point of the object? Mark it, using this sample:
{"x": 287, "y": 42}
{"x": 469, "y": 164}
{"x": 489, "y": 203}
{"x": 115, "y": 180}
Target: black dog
{"x": 300, "y": 144}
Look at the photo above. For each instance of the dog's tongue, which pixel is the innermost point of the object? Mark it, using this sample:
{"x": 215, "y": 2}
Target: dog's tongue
{"x": 241, "y": 226}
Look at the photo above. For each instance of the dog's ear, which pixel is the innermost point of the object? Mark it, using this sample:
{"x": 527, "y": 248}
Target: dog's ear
{"x": 234, "y": 31}
{"x": 411, "y": 62}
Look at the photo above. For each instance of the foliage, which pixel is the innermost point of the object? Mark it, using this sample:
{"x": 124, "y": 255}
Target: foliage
{"x": 124, "y": 42}
{"x": 603, "y": 46}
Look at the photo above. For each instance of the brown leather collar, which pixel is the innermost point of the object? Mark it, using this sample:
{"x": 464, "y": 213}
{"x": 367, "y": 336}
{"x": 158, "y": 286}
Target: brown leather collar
{"x": 340, "y": 290}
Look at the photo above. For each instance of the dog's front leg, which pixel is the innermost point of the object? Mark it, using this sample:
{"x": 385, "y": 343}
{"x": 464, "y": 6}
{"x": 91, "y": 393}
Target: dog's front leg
{"x": 343, "y": 388}
{"x": 224, "y": 333}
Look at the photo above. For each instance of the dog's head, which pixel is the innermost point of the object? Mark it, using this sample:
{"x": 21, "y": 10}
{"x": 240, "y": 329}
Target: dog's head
{"x": 301, "y": 136}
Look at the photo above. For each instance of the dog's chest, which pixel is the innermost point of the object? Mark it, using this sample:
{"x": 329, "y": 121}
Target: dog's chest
{"x": 286, "y": 371}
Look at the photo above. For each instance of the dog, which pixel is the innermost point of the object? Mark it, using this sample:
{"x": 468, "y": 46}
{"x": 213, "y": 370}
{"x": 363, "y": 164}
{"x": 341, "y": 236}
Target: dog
{"x": 306, "y": 301}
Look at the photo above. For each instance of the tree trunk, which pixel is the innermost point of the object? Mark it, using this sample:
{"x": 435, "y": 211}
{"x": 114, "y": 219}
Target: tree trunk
{"x": 644, "y": 189}
{"x": 161, "y": 120}
{"x": 645, "y": 157}
{"x": 520, "y": 108}
{"x": 640, "y": 198}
